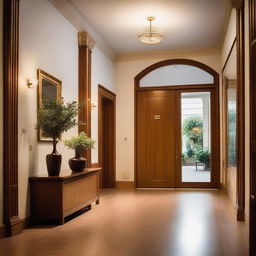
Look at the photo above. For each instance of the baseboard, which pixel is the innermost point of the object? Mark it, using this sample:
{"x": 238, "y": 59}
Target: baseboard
{"x": 2, "y": 231}
{"x": 240, "y": 214}
{"x": 125, "y": 184}
{"x": 16, "y": 226}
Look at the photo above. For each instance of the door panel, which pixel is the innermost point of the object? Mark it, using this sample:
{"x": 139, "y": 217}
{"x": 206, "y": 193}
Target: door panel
{"x": 155, "y": 139}
{"x": 108, "y": 178}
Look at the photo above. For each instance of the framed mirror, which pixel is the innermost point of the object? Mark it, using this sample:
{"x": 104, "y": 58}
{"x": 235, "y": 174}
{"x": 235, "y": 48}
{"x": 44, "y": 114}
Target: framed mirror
{"x": 49, "y": 87}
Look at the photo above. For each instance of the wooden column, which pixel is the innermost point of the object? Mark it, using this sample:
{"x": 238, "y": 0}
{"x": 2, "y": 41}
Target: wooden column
{"x": 86, "y": 44}
{"x": 13, "y": 224}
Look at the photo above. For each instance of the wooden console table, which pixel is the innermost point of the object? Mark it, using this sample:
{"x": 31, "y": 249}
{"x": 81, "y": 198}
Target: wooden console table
{"x": 56, "y": 197}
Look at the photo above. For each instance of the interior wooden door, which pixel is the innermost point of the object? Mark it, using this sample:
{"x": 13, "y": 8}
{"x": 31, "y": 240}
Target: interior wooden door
{"x": 107, "y": 135}
{"x": 108, "y": 161}
{"x": 155, "y": 139}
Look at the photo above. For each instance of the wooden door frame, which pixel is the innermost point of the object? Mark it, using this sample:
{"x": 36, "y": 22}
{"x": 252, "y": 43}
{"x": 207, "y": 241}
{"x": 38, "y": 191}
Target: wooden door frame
{"x": 168, "y": 62}
{"x": 215, "y": 138}
{"x": 103, "y": 92}
{"x": 239, "y": 5}
{"x": 252, "y": 44}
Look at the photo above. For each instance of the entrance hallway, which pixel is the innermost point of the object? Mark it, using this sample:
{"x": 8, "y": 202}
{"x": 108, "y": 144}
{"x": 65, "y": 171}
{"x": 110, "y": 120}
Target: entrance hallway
{"x": 141, "y": 223}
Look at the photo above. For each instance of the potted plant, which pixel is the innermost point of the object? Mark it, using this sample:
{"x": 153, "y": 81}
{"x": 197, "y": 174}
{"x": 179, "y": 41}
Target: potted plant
{"x": 203, "y": 156}
{"x": 80, "y": 144}
{"x": 54, "y": 118}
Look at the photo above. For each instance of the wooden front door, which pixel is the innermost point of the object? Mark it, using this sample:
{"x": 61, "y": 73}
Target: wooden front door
{"x": 161, "y": 142}
{"x": 155, "y": 139}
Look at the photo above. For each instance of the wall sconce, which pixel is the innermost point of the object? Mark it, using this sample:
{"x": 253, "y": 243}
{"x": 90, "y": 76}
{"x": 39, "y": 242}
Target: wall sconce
{"x": 31, "y": 83}
{"x": 93, "y": 105}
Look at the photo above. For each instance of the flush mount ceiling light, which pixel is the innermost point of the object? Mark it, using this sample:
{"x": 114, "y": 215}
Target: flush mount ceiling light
{"x": 150, "y": 36}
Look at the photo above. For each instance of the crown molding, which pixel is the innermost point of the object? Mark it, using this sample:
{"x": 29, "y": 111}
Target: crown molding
{"x": 75, "y": 17}
{"x": 237, "y": 4}
{"x": 84, "y": 39}
{"x": 168, "y": 54}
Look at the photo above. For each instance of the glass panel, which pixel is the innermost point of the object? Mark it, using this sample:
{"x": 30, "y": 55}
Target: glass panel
{"x": 176, "y": 75}
{"x": 196, "y": 137}
{"x": 231, "y": 93}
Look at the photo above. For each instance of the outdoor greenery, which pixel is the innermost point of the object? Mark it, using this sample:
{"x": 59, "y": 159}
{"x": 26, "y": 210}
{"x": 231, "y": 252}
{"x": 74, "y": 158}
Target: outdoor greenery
{"x": 193, "y": 131}
{"x": 190, "y": 152}
{"x": 56, "y": 117}
{"x": 203, "y": 156}
{"x": 232, "y": 137}
{"x": 82, "y": 140}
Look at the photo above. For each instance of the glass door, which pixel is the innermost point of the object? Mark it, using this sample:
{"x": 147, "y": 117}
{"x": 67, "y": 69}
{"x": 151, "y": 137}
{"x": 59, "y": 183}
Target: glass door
{"x": 194, "y": 139}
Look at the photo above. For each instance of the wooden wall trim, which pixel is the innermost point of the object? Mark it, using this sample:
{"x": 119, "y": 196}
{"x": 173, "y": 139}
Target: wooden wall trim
{"x": 86, "y": 45}
{"x": 240, "y": 114}
{"x": 10, "y": 79}
{"x": 239, "y": 40}
{"x": 252, "y": 56}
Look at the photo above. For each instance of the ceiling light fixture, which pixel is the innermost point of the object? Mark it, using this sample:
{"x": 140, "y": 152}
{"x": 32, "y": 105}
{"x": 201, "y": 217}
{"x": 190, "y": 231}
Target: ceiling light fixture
{"x": 150, "y": 36}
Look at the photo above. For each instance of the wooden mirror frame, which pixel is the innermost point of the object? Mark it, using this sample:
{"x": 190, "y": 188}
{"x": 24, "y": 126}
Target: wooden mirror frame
{"x": 239, "y": 41}
{"x": 44, "y": 75}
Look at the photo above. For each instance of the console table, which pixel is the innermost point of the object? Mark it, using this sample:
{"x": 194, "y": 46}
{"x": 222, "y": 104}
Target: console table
{"x": 55, "y": 197}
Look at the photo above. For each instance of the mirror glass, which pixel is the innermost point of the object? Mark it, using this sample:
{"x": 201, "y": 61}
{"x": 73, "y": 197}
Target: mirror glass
{"x": 230, "y": 103}
{"x": 49, "y": 87}
{"x": 49, "y": 90}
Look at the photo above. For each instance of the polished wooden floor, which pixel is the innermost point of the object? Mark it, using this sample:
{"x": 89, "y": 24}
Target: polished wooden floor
{"x": 141, "y": 223}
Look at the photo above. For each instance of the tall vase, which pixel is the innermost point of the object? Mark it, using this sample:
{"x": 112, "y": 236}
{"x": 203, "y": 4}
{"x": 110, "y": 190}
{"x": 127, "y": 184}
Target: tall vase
{"x": 78, "y": 163}
{"x": 53, "y": 161}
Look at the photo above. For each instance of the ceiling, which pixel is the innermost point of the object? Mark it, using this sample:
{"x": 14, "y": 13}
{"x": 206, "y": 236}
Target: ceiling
{"x": 186, "y": 24}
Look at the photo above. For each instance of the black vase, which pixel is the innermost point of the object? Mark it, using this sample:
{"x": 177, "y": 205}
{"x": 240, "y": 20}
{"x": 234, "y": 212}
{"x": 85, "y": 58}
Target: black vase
{"x": 78, "y": 163}
{"x": 53, "y": 161}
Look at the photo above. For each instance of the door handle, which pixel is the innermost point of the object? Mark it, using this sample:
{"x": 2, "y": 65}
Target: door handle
{"x": 252, "y": 197}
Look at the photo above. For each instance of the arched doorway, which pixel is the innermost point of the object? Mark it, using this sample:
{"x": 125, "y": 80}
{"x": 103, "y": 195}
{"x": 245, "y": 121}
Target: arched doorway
{"x": 177, "y": 136}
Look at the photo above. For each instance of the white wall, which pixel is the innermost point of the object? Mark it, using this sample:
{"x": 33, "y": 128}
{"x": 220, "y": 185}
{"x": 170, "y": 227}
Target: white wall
{"x": 103, "y": 74}
{"x": 127, "y": 67}
{"x": 1, "y": 113}
{"x": 230, "y": 35}
{"x": 49, "y": 41}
